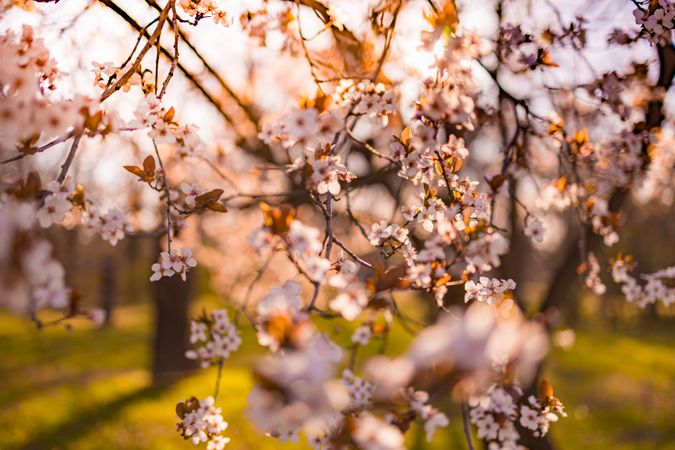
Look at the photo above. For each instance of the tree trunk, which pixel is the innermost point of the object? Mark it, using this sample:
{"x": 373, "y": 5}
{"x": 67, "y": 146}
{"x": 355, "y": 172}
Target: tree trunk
{"x": 108, "y": 287}
{"x": 171, "y": 299}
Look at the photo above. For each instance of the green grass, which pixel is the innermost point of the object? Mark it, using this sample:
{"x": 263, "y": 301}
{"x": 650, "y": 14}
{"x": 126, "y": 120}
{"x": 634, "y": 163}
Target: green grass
{"x": 90, "y": 389}
{"x": 619, "y": 388}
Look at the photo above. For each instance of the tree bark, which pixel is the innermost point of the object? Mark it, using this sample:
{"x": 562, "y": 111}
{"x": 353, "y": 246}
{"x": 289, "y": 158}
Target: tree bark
{"x": 108, "y": 287}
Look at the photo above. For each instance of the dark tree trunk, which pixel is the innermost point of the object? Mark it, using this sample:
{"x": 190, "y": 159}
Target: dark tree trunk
{"x": 108, "y": 287}
{"x": 171, "y": 299}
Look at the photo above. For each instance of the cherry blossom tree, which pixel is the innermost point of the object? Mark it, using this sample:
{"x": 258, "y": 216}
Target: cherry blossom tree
{"x": 346, "y": 162}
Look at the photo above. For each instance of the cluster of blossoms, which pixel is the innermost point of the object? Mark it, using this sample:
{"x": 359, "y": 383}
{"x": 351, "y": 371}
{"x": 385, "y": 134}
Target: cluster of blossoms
{"x": 277, "y": 312}
{"x": 205, "y": 8}
{"x": 296, "y": 390}
{"x": 59, "y": 199}
{"x": 31, "y": 278}
{"x": 372, "y": 412}
{"x": 353, "y": 294}
{"x": 621, "y": 92}
{"x": 425, "y": 151}
{"x": 600, "y": 169}
{"x": 164, "y": 129}
{"x": 215, "y": 336}
{"x": 432, "y": 417}
{"x": 592, "y": 270}
{"x": 202, "y": 422}
{"x": 391, "y": 238}
{"x": 539, "y": 413}
{"x": 366, "y": 99}
{"x": 523, "y": 51}
{"x": 658, "y": 285}
{"x": 609, "y": 166}
{"x": 111, "y": 225}
{"x": 105, "y": 73}
{"x": 173, "y": 262}
{"x": 308, "y": 136}
{"x": 360, "y": 391}
{"x": 430, "y": 211}
{"x": 303, "y": 131}
{"x": 559, "y": 194}
{"x": 56, "y": 203}
{"x": 488, "y": 290}
{"x": 449, "y": 97}
{"x": 494, "y": 416}
{"x": 29, "y": 113}
{"x": 485, "y": 253}
{"x": 327, "y": 172}
{"x": 475, "y": 342}
{"x": 430, "y": 157}
{"x": 657, "y": 21}
{"x": 497, "y": 413}
{"x": 301, "y": 242}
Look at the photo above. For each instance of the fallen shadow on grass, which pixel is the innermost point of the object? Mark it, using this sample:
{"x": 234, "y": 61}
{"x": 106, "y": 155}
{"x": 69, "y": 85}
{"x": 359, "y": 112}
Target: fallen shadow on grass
{"x": 59, "y": 436}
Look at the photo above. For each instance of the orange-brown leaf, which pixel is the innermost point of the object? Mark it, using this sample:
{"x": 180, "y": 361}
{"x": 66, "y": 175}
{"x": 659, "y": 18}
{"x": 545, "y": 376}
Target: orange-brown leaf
{"x": 168, "y": 117}
{"x": 208, "y": 197}
{"x": 149, "y": 166}
{"x": 545, "y": 389}
{"x": 135, "y": 170}
{"x": 406, "y": 135}
{"x": 277, "y": 219}
{"x": 77, "y": 197}
{"x": 544, "y": 58}
{"x": 217, "y": 206}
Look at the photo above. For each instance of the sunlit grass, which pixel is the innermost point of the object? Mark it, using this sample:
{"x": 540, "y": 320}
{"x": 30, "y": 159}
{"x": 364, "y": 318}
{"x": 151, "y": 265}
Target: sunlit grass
{"x": 619, "y": 388}
{"x": 90, "y": 389}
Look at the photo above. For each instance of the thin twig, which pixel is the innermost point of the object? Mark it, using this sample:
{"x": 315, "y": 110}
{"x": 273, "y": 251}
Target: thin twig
{"x": 167, "y": 192}
{"x": 220, "y": 373}
{"x": 174, "y": 60}
{"x": 141, "y": 33}
{"x": 370, "y": 148}
{"x": 33, "y": 151}
{"x": 69, "y": 158}
{"x": 356, "y": 258}
{"x": 154, "y": 37}
{"x": 467, "y": 429}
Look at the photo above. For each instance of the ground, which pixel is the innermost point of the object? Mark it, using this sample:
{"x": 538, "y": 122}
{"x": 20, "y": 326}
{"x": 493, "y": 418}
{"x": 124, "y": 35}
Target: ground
{"x": 90, "y": 389}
